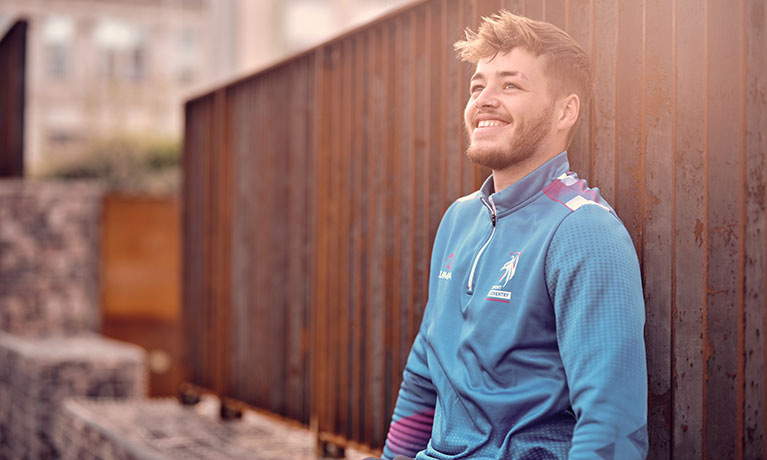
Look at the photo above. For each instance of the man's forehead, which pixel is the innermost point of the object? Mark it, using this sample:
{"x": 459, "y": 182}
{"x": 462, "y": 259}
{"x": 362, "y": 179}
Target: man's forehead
{"x": 517, "y": 62}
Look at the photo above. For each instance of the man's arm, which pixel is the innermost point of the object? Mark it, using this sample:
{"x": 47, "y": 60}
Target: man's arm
{"x": 413, "y": 418}
{"x": 594, "y": 282}
{"x": 410, "y": 429}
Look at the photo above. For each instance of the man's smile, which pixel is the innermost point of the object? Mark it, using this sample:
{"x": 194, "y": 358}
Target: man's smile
{"x": 491, "y": 123}
{"x": 488, "y": 121}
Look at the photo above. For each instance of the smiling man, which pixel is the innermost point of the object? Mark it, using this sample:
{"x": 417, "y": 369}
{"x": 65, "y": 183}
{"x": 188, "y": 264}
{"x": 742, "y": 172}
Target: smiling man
{"x": 531, "y": 346}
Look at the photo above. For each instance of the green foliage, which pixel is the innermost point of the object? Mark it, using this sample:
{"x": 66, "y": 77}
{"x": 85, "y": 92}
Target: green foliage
{"x": 137, "y": 165}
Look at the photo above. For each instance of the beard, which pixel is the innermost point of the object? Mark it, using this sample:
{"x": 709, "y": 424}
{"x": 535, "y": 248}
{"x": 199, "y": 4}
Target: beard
{"x": 522, "y": 146}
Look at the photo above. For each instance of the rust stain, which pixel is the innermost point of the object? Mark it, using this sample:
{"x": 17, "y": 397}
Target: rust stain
{"x": 712, "y": 292}
{"x": 637, "y": 173}
{"x": 652, "y": 200}
{"x": 662, "y": 400}
{"x": 757, "y": 15}
{"x": 756, "y": 193}
{"x": 699, "y": 232}
{"x": 726, "y": 232}
{"x": 708, "y": 352}
{"x": 658, "y": 94}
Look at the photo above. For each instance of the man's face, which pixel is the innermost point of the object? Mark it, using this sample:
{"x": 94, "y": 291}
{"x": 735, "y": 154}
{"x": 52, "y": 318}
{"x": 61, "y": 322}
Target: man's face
{"x": 509, "y": 115}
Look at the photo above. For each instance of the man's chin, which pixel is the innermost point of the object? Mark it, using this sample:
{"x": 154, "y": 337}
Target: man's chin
{"x": 494, "y": 159}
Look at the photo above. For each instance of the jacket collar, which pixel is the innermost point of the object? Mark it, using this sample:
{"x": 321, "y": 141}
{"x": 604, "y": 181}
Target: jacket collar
{"x": 523, "y": 190}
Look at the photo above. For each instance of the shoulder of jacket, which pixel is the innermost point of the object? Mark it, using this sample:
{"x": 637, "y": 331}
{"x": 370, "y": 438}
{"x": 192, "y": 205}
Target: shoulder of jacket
{"x": 573, "y": 193}
{"x": 468, "y": 197}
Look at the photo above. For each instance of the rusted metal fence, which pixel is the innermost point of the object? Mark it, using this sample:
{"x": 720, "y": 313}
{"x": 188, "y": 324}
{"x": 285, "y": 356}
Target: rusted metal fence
{"x": 139, "y": 278}
{"x": 313, "y": 190}
{"x": 247, "y": 301}
{"x": 13, "y": 51}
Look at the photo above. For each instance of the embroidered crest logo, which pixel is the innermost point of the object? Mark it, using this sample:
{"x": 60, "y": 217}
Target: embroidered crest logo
{"x": 446, "y": 273}
{"x": 499, "y": 293}
{"x": 509, "y": 268}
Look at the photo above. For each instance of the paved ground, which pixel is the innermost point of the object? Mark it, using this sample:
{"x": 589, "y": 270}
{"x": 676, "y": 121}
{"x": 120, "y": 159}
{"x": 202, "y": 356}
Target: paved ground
{"x": 172, "y": 431}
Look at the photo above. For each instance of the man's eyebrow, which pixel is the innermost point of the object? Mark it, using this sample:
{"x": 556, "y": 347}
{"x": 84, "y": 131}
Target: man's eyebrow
{"x": 502, "y": 73}
{"x": 512, "y": 73}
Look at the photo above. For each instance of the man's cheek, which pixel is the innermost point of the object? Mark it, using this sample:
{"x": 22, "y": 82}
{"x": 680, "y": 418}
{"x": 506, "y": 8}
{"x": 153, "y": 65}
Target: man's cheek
{"x": 469, "y": 129}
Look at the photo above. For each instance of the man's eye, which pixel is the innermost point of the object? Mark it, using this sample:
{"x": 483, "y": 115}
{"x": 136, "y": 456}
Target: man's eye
{"x": 476, "y": 88}
{"x": 510, "y": 86}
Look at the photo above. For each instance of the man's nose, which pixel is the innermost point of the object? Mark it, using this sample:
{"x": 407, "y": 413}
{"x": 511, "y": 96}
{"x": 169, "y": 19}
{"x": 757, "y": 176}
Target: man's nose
{"x": 486, "y": 99}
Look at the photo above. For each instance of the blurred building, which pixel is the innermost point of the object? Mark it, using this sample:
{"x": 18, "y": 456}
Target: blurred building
{"x": 104, "y": 68}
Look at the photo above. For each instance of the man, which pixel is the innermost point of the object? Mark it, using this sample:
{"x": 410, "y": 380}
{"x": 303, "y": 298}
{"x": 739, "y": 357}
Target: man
{"x": 531, "y": 345}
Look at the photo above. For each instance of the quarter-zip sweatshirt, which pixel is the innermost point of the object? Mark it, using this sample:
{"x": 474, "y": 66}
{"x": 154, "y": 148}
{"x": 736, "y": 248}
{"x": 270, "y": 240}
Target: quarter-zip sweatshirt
{"x": 531, "y": 345}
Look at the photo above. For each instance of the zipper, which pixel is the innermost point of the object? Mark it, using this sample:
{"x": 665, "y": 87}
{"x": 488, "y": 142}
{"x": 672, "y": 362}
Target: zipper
{"x": 491, "y": 208}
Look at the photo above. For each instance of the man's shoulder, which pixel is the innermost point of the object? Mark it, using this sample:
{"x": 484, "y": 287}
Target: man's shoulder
{"x": 585, "y": 215}
{"x": 464, "y": 203}
{"x": 471, "y": 196}
{"x": 589, "y": 225}
{"x": 463, "y": 208}
{"x": 571, "y": 192}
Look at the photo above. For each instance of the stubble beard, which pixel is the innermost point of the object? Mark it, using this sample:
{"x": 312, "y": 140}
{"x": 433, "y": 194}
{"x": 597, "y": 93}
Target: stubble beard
{"x": 523, "y": 145}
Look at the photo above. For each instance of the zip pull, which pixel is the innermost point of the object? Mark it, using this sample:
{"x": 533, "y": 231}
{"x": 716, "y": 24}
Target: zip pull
{"x": 491, "y": 207}
{"x": 492, "y": 210}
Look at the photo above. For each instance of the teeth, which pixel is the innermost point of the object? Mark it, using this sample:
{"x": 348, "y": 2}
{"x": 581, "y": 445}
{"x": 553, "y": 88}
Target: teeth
{"x": 488, "y": 123}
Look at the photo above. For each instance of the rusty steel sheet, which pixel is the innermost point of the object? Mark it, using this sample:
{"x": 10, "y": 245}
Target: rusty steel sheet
{"x": 313, "y": 190}
{"x": 657, "y": 134}
{"x": 753, "y": 317}
{"x": 13, "y": 53}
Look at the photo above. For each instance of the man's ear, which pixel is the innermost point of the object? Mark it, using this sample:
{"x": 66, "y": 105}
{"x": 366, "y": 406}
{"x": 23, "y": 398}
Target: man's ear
{"x": 568, "y": 114}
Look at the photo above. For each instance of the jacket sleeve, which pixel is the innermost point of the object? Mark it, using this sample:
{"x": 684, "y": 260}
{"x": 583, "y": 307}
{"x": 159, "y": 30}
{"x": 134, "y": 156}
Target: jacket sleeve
{"x": 594, "y": 282}
{"x": 411, "y": 424}
{"x": 413, "y": 418}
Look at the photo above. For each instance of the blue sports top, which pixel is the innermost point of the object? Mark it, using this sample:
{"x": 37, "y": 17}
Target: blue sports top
{"x": 531, "y": 344}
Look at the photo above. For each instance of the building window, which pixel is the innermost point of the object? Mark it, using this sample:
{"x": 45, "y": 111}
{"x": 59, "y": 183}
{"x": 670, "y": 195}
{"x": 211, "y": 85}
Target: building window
{"x": 187, "y": 57}
{"x": 122, "y": 51}
{"x": 137, "y": 65}
{"x": 62, "y": 138}
{"x": 58, "y": 33}
{"x": 108, "y": 58}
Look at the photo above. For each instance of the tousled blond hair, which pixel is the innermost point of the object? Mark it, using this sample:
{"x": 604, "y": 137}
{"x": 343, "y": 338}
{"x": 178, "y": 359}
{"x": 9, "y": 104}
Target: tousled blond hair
{"x": 565, "y": 62}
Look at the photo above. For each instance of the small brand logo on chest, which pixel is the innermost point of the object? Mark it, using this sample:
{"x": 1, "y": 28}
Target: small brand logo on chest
{"x": 500, "y": 292}
{"x": 446, "y": 272}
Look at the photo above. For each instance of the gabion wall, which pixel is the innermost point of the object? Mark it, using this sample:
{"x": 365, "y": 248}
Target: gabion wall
{"x": 49, "y": 257}
{"x": 49, "y": 309}
{"x": 85, "y": 429}
{"x": 38, "y": 374}
{"x": 163, "y": 429}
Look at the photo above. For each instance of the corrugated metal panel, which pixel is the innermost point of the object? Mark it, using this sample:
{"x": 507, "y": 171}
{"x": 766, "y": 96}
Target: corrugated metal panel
{"x": 364, "y": 133}
{"x": 207, "y": 221}
{"x": 248, "y": 238}
{"x": 394, "y": 159}
{"x": 13, "y": 52}
{"x": 272, "y": 232}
